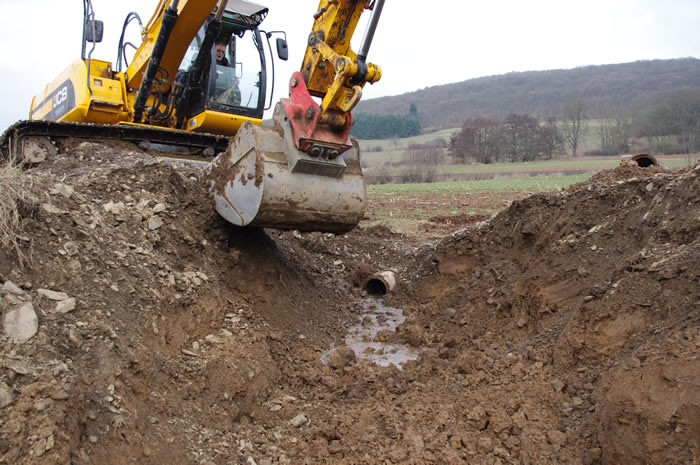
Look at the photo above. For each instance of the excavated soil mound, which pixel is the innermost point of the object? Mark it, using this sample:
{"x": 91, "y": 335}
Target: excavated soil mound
{"x": 147, "y": 330}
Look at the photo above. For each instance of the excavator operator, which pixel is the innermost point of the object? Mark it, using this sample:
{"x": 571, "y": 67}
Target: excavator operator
{"x": 228, "y": 91}
{"x": 221, "y": 59}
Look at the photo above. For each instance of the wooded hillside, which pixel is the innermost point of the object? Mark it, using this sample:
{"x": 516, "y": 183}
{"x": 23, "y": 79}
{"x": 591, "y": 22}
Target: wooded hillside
{"x": 605, "y": 89}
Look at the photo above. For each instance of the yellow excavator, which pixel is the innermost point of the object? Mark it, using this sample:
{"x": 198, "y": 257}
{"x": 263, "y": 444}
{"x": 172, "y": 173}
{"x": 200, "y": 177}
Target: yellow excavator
{"x": 198, "y": 82}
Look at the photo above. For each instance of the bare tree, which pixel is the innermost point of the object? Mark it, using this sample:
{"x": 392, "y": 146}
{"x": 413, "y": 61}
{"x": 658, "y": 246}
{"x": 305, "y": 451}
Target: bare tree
{"x": 551, "y": 139}
{"x": 414, "y": 153}
{"x": 423, "y": 155}
{"x": 522, "y": 137}
{"x": 673, "y": 123}
{"x": 574, "y": 124}
{"x": 479, "y": 139}
{"x": 615, "y": 134}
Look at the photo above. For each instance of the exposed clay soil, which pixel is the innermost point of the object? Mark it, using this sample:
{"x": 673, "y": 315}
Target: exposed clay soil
{"x": 564, "y": 330}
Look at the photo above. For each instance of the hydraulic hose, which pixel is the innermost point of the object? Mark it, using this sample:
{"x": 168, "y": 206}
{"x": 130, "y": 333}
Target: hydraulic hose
{"x": 169, "y": 19}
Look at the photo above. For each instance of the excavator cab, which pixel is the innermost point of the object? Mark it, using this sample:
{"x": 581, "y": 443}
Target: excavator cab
{"x": 238, "y": 88}
{"x": 230, "y": 93}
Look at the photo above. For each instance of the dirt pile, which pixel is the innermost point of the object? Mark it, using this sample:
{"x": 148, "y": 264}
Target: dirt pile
{"x": 573, "y": 320}
{"x": 148, "y": 330}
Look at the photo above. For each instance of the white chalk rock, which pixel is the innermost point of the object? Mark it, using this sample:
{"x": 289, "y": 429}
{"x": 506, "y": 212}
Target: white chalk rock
{"x": 21, "y": 324}
{"x": 53, "y": 295}
{"x": 65, "y": 306}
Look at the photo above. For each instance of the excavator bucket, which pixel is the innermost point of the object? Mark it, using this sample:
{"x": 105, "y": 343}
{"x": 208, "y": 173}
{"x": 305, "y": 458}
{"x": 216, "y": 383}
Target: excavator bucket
{"x": 263, "y": 180}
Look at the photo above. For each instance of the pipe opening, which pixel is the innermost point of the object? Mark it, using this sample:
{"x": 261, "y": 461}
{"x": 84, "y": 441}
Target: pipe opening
{"x": 375, "y": 287}
{"x": 644, "y": 160}
{"x": 380, "y": 283}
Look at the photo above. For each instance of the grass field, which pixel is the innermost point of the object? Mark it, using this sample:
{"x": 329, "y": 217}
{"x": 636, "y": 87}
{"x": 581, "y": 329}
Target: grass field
{"x": 378, "y": 152}
{"x": 526, "y": 185}
{"x": 385, "y": 161}
{"x": 436, "y": 208}
{"x": 544, "y": 167}
{"x": 370, "y": 145}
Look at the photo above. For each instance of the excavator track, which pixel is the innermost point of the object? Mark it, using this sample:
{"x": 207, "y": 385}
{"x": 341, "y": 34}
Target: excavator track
{"x": 201, "y": 146}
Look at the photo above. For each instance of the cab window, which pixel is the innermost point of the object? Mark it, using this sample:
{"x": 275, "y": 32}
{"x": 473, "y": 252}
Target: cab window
{"x": 239, "y": 83}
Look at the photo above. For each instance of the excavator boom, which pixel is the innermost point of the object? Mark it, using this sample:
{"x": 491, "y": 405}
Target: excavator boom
{"x": 303, "y": 171}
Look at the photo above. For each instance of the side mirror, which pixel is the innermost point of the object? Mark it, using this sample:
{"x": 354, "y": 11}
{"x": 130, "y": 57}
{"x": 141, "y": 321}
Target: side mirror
{"x": 282, "y": 50}
{"x": 93, "y": 31}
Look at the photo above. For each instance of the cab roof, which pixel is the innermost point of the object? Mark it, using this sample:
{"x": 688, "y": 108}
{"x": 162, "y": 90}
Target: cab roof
{"x": 244, "y": 14}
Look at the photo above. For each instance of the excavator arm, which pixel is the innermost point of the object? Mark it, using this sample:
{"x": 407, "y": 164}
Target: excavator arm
{"x": 166, "y": 38}
{"x": 332, "y": 71}
{"x": 302, "y": 171}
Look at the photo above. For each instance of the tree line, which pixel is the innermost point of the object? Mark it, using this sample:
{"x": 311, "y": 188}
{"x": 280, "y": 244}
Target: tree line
{"x": 384, "y": 125}
{"x": 673, "y": 123}
{"x": 670, "y": 125}
{"x": 518, "y": 138}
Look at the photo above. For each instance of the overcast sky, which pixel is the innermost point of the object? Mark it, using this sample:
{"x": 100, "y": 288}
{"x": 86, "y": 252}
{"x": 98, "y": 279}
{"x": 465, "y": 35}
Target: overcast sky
{"x": 418, "y": 44}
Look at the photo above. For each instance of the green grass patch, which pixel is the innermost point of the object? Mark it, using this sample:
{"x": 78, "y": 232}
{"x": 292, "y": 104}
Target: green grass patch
{"x": 526, "y": 184}
{"x": 431, "y": 209}
{"x": 550, "y": 166}
{"x": 678, "y": 163}
{"x": 398, "y": 145}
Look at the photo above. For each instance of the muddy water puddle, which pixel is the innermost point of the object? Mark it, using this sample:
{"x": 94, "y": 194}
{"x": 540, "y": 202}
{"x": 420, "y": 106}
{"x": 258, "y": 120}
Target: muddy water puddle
{"x": 362, "y": 338}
